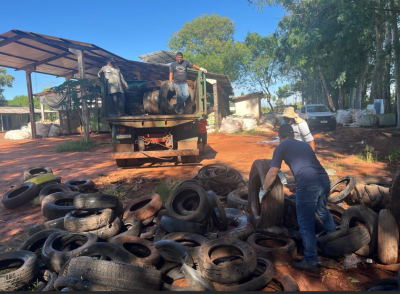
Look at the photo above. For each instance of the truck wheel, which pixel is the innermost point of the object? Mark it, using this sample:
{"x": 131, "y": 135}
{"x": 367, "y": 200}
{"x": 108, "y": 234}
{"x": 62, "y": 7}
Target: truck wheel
{"x": 189, "y": 159}
{"x": 121, "y": 162}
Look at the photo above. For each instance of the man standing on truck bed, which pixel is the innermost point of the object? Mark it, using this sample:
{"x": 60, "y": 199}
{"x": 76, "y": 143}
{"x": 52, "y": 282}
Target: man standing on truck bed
{"x": 115, "y": 85}
{"x": 178, "y": 82}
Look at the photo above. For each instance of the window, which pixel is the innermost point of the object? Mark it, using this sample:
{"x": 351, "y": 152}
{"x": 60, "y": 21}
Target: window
{"x": 317, "y": 108}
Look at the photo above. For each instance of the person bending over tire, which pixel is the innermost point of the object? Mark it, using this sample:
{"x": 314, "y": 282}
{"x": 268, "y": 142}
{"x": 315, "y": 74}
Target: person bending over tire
{"x": 300, "y": 127}
{"x": 313, "y": 186}
{"x": 202, "y": 133}
{"x": 115, "y": 85}
{"x": 178, "y": 82}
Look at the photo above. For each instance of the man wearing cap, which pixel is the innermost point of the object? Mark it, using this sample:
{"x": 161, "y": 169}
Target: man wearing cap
{"x": 300, "y": 127}
{"x": 178, "y": 82}
{"x": 313, "y": 187}
{"x": 115, "y": 85}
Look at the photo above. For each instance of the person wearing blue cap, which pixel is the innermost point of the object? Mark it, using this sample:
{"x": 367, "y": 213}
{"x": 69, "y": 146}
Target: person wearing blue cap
{"x": 115, "y": 85}
{"x": 313, "y": 190}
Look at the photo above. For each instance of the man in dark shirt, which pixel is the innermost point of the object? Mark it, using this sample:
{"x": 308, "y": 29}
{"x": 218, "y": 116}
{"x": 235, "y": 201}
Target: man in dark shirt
{"x": 178, "y": 82}
{"x": 313, "y": 188}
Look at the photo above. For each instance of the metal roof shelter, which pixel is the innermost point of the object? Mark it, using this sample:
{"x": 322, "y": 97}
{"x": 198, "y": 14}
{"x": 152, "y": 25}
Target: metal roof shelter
{"x": 161, "y": 56}
{"x": 21, "y": 110}
{"x": 33, "y": 52}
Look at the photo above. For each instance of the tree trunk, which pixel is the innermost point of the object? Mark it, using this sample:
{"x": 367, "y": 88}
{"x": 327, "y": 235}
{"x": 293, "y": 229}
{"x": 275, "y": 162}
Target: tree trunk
{"x": 352, "y": 97}
{"x": 376, "y": 86}
{"x": 386, "y": 70}
{"x": 395, "y": 38}
{"x": 361, "y": 85}
{"x": 328, "y": 95}
{"x": 341, "y": 98}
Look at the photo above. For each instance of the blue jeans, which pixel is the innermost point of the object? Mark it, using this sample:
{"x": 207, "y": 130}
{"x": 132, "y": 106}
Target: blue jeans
{"x": 182, "y": 93}
{"x": 311, "y": 198}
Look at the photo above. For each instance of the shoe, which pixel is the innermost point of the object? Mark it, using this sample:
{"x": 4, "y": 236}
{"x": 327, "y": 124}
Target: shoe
{"x": 303, "y": 265}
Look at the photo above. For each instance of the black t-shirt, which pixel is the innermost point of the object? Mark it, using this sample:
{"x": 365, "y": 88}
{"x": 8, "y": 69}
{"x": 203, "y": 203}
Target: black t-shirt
{"x": 301, "y": 160}
{"x": 180, "y": 70}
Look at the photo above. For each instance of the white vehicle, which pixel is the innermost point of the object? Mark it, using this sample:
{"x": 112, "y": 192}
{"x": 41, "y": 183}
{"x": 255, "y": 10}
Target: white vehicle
{"x": 318, "y": 115}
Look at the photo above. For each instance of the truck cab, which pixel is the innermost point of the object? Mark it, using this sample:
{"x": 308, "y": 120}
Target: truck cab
{"x": 151, "y": 130}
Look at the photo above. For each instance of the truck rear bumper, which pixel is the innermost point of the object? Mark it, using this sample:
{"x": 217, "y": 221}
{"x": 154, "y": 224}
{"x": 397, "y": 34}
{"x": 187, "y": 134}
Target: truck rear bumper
{"x": 155, "y": 154}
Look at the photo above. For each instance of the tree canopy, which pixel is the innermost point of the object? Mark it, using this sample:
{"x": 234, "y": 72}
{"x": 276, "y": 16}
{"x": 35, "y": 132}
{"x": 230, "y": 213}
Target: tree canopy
{"x": 6, "y": 80}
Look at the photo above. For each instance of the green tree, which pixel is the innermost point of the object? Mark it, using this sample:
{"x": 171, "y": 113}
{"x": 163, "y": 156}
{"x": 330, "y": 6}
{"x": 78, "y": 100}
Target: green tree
{"x": 6, "y": 80}
{"x": 23, "y": 100}
{"x": 208, "y": 42}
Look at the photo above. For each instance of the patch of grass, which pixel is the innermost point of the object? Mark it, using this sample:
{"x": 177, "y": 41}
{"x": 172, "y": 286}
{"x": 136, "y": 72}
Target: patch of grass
{"x": 164, "y": 189}
{"x": 75, "y": 145}
{"x": 393, "y": 156}
{"x": 33, "y": 286}
{"x": 369, "y": 155}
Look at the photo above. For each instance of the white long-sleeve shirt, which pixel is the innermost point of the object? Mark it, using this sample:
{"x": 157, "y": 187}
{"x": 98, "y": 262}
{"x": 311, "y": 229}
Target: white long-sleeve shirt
{"x": 114, "y": 78}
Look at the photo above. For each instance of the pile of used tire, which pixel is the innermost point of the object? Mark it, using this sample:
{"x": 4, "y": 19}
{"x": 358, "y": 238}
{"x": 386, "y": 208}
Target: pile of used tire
{"x": 195, "y": 241}
{"x": 154, "y": 97}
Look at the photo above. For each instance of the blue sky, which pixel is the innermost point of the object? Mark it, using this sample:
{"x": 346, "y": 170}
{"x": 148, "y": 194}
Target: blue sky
{"x": 127, "y": 28}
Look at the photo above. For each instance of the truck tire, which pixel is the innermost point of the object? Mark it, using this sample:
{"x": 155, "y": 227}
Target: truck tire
{"x": 388, "y": 237}
{"x": 35, "y": 171}
{"x": 357, "y": 238}
{"x": 350, "y": 184}
{"x": 144, "y": 207}
{"x": 172, "y": 225}
{"x": 270, "y": 212}
{"x": 151, "y": 102}
{"x": 165, "y": 95}
{"x": 238, "y": 199}
{"x": 24, "y": 274}
{"x": 19, "y": 195}
{"x": 83, "y": 221}
{"x": 121, "y": 162}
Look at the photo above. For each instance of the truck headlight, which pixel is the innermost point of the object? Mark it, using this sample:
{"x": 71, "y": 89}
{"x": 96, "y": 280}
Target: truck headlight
{"x": 312, "y": 117}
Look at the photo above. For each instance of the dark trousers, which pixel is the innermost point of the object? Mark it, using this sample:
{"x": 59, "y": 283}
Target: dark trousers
{"x": 118, "y": 100}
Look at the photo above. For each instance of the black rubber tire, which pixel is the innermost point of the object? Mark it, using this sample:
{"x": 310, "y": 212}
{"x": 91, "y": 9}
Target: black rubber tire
{"x": 230, "y": 272}
{"x": 150, "y": 85}
{"x": 388, "y": 284}
{"x": 80, "y": 184}
{"x": 149, "y": 231}
{"x": 270, "y": 212}
{"x": 218, "y": 216}
{"x": 108, "y": 231}
{"x": 388, "y": 238}
{"x": 57, "y": 223}
{"x": 50, "y": 277}
{"x": 324, "y": 238}
{"x": 54, "y": 181}
{"x": 282, "y": 255}
{"x": 55, "y": 250}
{"x": 394, "y": 204}
{"x": 260, "y": 280}
{"x": 179, "y": 194}
{"x": 115, "y": 274}
{"x": 374, "y": 180}
{"x": 151, "y": 102}
{"x": 35, "y": 171}
{"x": 138, "y": 251}
{"x": 130, "y": 226}
{"x": 196, "y": 280}
{"x": 20, "y": 195}
{"x": 350, "y": 243}
{"x": 37, "y": 240}
{"x": 243, "y": 227}
{"x": 95, "y": 201}
{"x": 50, "y": 189}
{"x": 172, "y": 225}
{"x": 50, "y": 204}
{"x": 285, "y": 282}
{"x": 173, "y": 251}
{"x": 351, "y": 183}
{"x": 370, "y": 219}
{"x": 143, "y": 207}
{"x": 83, "y": 221}
{"x": 164, "y": 95}
{"x": 238, "y": 199}
{"x": 23, "y": 275}
{"x": 192, "y": 242}
{"x": 77, "y": 284}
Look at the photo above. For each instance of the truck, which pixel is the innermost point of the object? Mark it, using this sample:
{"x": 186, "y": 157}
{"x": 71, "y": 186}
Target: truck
{"x": 152, "y": 131}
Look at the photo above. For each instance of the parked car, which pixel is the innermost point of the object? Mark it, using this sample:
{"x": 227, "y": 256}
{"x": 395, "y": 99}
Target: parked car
{"x": 318, "y": 116}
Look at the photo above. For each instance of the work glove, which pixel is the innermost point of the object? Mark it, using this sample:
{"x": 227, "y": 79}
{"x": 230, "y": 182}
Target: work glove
{"x": 282, "y": 177}
{"x": 262, "y": 193}
{"x": 203, "y": 70}
{"x": 171, "y": 86}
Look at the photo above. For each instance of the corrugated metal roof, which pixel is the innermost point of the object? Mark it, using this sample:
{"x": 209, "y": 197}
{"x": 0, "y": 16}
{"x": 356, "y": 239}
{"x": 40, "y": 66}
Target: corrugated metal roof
{"x": 20, "y": 110}
{"x": 161, "y": 56}
{"x": 24, "y": 50}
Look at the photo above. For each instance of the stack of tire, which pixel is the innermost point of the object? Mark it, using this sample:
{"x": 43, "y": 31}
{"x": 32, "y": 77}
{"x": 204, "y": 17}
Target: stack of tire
{"x": 154, "y": 97}
{"x": 35, "y": 180}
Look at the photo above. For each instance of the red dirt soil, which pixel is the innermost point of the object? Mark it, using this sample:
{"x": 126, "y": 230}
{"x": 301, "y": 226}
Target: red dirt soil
{"x": 336, "y": 150}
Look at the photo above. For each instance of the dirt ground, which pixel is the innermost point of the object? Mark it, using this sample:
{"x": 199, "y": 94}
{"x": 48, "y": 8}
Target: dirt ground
{"x": 336, "y": 150}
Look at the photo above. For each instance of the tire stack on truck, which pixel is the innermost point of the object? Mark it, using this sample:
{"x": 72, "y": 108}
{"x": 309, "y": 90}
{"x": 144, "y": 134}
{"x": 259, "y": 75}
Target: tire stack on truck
{"x": 154, "y": 97}
{"x": 198, "y": 240}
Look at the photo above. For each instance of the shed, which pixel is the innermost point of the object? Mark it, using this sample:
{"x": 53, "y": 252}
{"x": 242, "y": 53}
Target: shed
{"x": 249, "y": 104}
{"x": 14, "y": 117}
